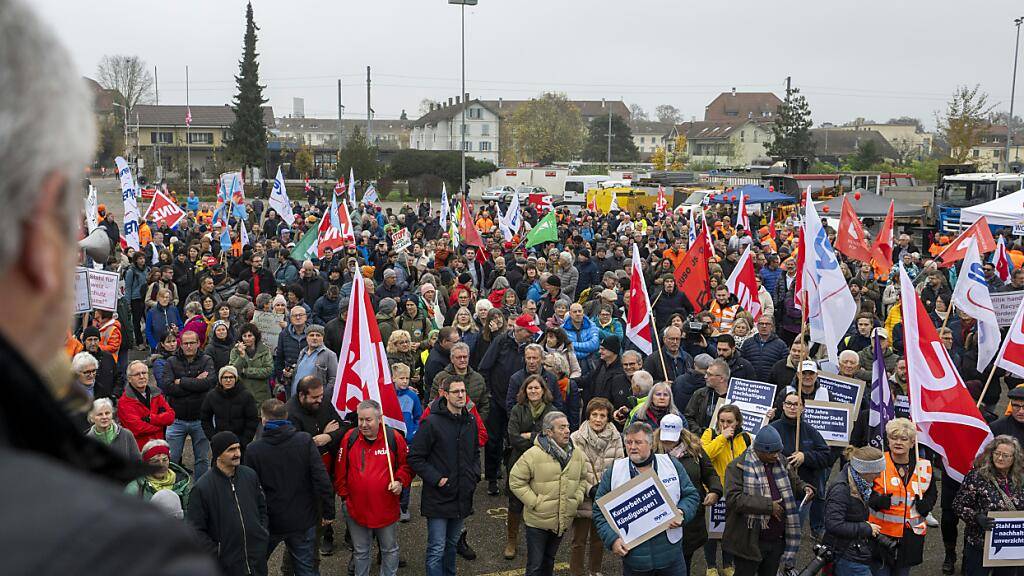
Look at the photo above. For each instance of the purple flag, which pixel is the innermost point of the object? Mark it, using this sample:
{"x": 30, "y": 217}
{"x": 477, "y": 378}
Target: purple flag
{"x": 881, "y": 410}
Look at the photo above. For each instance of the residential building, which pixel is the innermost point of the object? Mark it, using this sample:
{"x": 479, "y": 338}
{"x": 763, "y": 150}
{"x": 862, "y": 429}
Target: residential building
{"x": 733, "y": 106}
{"x": 649, "y": 135}
{"x": 908, "y": 141}
{"x": 987, "y": 155}
{"x": 442, "y": 128}
{"x": 736, "y": 143}
{"x": 160, "y": 132}
{"x": 836, "y": 146}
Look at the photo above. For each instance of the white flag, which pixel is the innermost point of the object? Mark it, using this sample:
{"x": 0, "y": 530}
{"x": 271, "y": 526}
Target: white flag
{"x": 370, "y": 195}
{"x": 511, "y": 221}
{"x": 613, "y": 206}
{"x": 351, "y": 187}
{"x": 830, "y": 305}
{"x": 971, "y": 296}
{"x": 444, "y": 207}
{"x": 130, "y": 194}
{"x": 91, "y": 209}
{"x": 279, "y": 199}
{"x": 243, "y": 235}
{"x": 692, "y": 235}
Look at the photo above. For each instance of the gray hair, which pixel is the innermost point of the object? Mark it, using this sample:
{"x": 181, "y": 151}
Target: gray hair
{"x": 639, "y": 358}
{"x": 369, "y": 403}
{"x": 83, "y": 361}
{"x": 459, "y": 346}
{"x": 46, "y": 123}
{"x": 547, "y": 424}
{"x": 721, "y": 365}
{"x": 99, "y": 404}
{"x": 671, "y": 398}
{"x": 637, "y": 428}
{"x": 643, "y": 380}
{"x": 849, "y": 354}
{"x": 536, "y": 347}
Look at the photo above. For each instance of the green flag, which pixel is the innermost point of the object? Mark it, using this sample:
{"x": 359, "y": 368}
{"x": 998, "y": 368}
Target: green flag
{"x": 545, "y": 231}
{"x": 308, "y": 242}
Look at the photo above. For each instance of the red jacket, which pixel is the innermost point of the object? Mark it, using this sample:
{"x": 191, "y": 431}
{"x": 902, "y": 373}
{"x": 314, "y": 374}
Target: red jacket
{"x": 480, "y": 428}
{"x": 361, "y": 478}
{"x": 131, "y": 411}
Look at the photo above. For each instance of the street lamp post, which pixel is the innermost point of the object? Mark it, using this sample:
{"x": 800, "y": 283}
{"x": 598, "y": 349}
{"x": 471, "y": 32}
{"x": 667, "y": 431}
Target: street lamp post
{"x": 1013, "y": 89}
{"x": 462, "y": 151}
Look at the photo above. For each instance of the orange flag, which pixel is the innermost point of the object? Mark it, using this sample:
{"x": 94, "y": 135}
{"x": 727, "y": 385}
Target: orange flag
{"x": 881, "y": 250}
{"x": 957, "y": 249}
{"x": 851, "y": 240}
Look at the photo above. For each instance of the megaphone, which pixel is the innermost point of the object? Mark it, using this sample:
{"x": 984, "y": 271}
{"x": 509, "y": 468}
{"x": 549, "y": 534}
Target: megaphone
{"x": 96, "y": 245}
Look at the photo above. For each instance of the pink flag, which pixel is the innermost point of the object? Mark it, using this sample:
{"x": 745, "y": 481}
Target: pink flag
{"x": 638, "y": 327}
{"x": 363, "y": 371}
{"x": 662, "y": 203}
{"x": 940, "y": 405}
{"x": 743, "y": 283}
{"x": 188, "y": 117}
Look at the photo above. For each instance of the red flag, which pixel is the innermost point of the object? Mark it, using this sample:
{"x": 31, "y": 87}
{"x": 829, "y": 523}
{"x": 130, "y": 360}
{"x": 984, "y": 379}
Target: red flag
{"x": 662, "y": 202}
{"x": 771, "y": 226}
{"x": 470, "y": 235}
{"x": 163, "y": 211}
{"x": 330, "y": 237}
{"x": 851, "y": 240}
{"x": 307, "y": 187}
{"x": 742, "y": 219}
{"x": 692, "y": 276}
{"x": 743, "y": 283}
{"x": 947, "y": 419}
{"x": 798, "y": 281}
{"x": 638, "y": 327}
{"x": 1011, "y": 355}
{"x": 363, "y": 371}
{"x": 881, "y": 250}
{"x": 957, "y": 249}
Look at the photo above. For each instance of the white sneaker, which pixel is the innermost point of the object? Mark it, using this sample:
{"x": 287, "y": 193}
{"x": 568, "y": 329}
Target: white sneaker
{"x": 404, "y": 517}
{"x": 931, "y": 521}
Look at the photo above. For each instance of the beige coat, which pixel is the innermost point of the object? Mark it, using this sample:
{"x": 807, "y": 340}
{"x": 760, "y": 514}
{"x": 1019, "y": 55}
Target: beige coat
{"x": 550, "y": 494}
{"x": 599, "y": 452}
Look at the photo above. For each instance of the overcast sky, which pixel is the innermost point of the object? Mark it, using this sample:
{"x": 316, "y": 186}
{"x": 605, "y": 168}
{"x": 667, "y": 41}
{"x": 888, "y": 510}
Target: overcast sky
{"x": 866, "y": 58}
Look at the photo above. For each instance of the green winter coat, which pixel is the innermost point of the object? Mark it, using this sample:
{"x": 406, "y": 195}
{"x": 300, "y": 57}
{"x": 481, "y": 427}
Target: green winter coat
{"x": 255, "y": 372}
{"x": 521, "y": 421}
{"x": 476, "y": 388}
{"x": 550, "y": 494}
{"x": 182, "y": 486}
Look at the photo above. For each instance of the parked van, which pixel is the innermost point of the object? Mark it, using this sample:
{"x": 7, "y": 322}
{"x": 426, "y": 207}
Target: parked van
{"x": 576, "y": 188}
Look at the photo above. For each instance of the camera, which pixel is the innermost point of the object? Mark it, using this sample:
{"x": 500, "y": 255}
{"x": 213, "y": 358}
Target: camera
{"x": 822, "y": 555}
{"x": 694, "y": 327}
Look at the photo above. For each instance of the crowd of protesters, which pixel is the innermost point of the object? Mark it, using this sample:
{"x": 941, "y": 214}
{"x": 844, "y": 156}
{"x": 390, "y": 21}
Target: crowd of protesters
{"x": 511, "y": 366}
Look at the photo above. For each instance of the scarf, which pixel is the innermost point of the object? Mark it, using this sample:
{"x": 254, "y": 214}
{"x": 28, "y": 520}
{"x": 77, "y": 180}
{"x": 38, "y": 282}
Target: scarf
{"x": 106, "y": 436}
{"x": 274, "y": 424}
{"x": 858, "y": 482}
{"x": 645, "y": 463}
{"x": 167, "y": 483}
{"x": 536, "y": 409}
{"x": 562, "y": 456}
{"x": 755, "y": 482}
{"x": 655, "y": 413}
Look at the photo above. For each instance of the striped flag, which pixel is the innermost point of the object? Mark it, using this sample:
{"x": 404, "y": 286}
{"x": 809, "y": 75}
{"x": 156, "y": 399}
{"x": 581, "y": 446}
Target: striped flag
{"x": 882, "y": 409}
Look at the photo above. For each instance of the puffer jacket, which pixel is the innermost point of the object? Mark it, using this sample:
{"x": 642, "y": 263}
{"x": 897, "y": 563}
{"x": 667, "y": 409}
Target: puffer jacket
{"x": 186, "y": 397}
{"x": 476, "y": 388}
{"x": 585, "y": 340}
{"x": 599, "y": 450}
{"x": 763, "y": 354}
{"x": 722, "y": 450}
{"x": 255, "y": 371}
{"x": 521, "y": 421}
{"x": 233, "y": 410}
{"x": 550, "y": 492}
{"x": 446, "y": 446}
{"x": 182, "y": 486}
{"x": 289, "y": 346}
{"x": 846, "y": 521}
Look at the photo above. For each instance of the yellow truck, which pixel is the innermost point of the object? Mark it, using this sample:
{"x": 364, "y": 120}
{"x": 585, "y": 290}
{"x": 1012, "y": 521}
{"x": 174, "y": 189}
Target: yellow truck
{"x": 630, "y": 199}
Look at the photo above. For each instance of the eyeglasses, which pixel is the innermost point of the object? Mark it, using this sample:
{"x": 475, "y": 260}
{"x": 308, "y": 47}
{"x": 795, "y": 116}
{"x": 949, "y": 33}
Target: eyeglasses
{"x": 89, "y": 372}
{"x": 1002, "y": 456}
{"x": 1016, "y": 406}
{"x": 791, "y": 404}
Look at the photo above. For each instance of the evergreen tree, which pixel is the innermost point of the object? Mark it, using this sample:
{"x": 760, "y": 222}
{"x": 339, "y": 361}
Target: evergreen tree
{"x": 623, "y": 148}
{"x": 358, "y": 156}
{"x": 248, "y": 144}
{"x": 791, "y": 133}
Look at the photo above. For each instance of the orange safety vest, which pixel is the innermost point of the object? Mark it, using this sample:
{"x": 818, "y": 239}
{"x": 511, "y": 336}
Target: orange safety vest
{"x": 110, "y": 337}
{"x": 902, "y": 512}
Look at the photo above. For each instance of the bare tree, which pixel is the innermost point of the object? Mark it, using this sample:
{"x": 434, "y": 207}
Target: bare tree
{"x": 668, "y": 113}
{"x": 636, "y": 112}
{"x": 425, "y": 105}
{"x": 129, "y": 76}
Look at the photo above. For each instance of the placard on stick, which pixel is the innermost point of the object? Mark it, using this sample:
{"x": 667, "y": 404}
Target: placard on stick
{"x": 751, "y": 392}
{"x": 1004, "y": 543}
{"x": 832, "y": 420}
{"x": 715, "y": 518}
{"x": 755, "y": 417}
{"x": 639, "y": 510}
{"x": 842, "y": 389}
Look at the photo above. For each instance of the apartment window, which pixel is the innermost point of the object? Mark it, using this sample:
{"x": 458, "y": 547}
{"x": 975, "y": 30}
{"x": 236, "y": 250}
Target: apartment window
{"x": 743, "y": 134}
{"x": 485, "y": 129}
{"x": 475, "y": 113}
{"x": 995, "y": 154}
{"x": 977, "y": 153}
{"x": 200, "y": 137}
{"x": 161, "y": 137}
{"x": 485, "y": 146}
{"x": 467, "y": 146}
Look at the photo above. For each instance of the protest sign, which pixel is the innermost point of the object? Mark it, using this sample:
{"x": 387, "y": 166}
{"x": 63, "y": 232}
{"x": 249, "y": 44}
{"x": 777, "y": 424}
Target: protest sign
{"x": 1004, "y": 543}
{"x": 401, "y": 240}
{"x": 639, "y": 509}
{"x": 82, "y": 301}
{"x": 842, "y": 389}
{"x": 755, "y": 416}
{"x": 716, "y": 520}
{"x": 269, "y": 326}
{"x": 103, "y": 289}
{"x": 831, "y": 419}
{"x": 751, "y": 392}
{"x": 1005, "y": 305}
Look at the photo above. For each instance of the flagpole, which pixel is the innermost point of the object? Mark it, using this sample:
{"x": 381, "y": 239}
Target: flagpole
{"x": 188, "y": 126}
{"x": 948, "y": 314}
{"x": 991, "y": 373}
{"x": 387, "y": 449}
{"x": 661, "y": 354}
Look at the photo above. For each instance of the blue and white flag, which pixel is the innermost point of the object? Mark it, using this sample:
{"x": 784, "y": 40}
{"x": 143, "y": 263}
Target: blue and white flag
{"x": 351, "y": 188}
{"x": 971, "y": 296}
{"x": 881, "y": 409}
{"x": 444, "y": 207}
{"x": 130, "y": 195}
{"x": 335, "y": 221}
{"x": 370, "y": 196}
{"x": 692, "y": 234}
{"x": 830, "y": 305}
{"x": 243, "y": 235}
{"x": 511, "y": 221}
{"x": 225, "y": 240}
{"x": 279, "y": 199}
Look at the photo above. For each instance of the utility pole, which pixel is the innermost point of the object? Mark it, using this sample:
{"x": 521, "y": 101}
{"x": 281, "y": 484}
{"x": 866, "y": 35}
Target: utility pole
{"x": 156, "y": 148}
{"x": 341, "y": 112}
{"x": 609, "y": 111}
{"x": 188, "y": 127}
{"x": 369, "y": 111}
{"x": 462, "y": 152}
{"x": 1013, "y": 90}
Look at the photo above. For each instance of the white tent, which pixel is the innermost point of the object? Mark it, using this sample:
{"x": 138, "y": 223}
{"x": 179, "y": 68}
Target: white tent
{"x": 1004, "y": 211}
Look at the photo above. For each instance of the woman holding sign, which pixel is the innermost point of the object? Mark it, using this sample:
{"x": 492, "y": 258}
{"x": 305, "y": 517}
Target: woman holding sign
{"x": 995, "y": 484}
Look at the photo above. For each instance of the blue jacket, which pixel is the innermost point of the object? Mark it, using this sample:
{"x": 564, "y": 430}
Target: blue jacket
{"x": 657, "y": 552}
{"x": 586, "y": 340}
{"x": 590, "y": 275}
{"x": 157, "y": 320}
{"x": 192, "y": 203}
{"x": 771, "y": 278}
{"x": 412, "y": 410}
{"x": 535, "y": 292}
{"x": 764, "y": 355}
{"x": 134, "y": 283}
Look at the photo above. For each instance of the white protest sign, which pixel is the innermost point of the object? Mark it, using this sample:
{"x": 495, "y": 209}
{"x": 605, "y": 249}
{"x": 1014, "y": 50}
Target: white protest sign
{"x": 1005, "y": 305}
{"x": 1004, "y": 543}
{"x": 82, "y": 301}
{"x": 639, "y": 510}
{"x": 755, "y": 416}
{"x": 1018, "y": 229}
{"x": 269, "y": 326}
{"x": 103, "y": 289}
{"x": 401, "y": 240}
{"x": 831, "y": 419}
